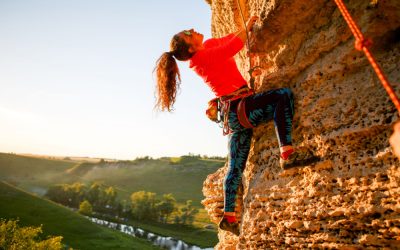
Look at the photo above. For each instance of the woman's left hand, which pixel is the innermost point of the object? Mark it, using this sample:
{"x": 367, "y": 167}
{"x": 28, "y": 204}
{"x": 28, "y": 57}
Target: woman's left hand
{"x": 251, "y": 22}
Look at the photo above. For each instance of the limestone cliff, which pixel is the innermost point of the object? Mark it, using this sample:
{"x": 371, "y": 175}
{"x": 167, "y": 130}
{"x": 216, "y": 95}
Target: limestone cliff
{"x": 351, "y": 199}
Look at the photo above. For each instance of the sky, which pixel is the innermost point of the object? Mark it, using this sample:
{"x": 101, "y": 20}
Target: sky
{"x": 76, "y": 79}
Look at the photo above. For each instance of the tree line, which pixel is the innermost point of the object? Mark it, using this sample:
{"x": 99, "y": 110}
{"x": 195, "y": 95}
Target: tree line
{"x": 101, "y": 199}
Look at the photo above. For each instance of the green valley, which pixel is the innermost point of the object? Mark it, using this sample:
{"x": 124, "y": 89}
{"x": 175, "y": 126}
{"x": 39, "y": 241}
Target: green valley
{"x": 180, "y": 176}
{"x": 56, "y": 220}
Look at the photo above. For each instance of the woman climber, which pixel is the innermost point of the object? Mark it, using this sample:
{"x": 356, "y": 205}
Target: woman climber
{"x": 242, "y": 109}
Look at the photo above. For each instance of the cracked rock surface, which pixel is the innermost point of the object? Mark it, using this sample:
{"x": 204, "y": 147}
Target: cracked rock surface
{"x": 351, "y": 198}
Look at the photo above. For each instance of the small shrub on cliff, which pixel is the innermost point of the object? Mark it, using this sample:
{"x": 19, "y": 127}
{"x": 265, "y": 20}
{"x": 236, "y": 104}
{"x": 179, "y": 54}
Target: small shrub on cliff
{"x": 14, "y": 237}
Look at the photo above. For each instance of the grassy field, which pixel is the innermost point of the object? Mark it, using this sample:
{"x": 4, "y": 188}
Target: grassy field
{"x": 76, "y": 230}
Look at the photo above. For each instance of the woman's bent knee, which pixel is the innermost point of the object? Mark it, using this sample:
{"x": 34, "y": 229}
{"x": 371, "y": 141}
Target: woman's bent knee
{"x": 288, "y": 92}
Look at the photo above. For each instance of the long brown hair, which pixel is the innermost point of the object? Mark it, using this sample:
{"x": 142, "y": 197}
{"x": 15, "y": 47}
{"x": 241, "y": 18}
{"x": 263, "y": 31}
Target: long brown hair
{"x": 167, "y": 73}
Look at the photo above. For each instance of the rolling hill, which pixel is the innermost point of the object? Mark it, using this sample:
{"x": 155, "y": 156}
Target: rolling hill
{"x": 182, "y": 176}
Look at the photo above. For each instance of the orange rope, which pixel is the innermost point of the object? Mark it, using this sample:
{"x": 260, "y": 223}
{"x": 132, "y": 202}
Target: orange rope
{"x": 363, "y": 44}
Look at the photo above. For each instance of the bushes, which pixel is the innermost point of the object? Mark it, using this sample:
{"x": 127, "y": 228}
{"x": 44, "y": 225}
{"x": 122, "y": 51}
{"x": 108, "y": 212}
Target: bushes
{"x": 166, "y": 207}
{"x": 19, "y": 238}
{"x": 146, "y": 207}
{"x": 85, "y": 208}
{"x": 186, "y": 213}
{"x": 102, "y": 199}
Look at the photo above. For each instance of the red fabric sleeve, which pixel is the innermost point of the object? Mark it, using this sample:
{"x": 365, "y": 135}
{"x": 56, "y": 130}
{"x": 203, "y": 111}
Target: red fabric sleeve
{"x": 227, "y": 47}
{"x": 214, "y": 42}
{"x": 216, "y": 65}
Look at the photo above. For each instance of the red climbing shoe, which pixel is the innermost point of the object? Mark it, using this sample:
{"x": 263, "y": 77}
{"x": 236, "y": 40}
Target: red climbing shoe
{"x": 299, "y": 158}
{"x": 230, "y": 227}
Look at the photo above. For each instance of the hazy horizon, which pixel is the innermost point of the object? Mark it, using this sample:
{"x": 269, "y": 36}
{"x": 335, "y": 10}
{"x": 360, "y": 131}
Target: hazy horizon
{"x": 105, "y": 158}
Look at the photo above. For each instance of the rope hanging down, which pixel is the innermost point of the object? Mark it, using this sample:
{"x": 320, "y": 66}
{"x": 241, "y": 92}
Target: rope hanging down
{"x": 362, "y": 44}
{"x": 251, "y": 70}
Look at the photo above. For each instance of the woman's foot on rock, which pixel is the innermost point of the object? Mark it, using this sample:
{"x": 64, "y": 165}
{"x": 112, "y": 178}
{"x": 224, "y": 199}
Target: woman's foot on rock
{"x": 299, "y": 158}
{"x": 232, "y": 227}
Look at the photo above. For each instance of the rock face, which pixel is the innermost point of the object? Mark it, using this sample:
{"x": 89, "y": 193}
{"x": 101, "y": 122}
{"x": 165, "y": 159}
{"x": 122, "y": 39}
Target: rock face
{"x": 351, "y": 199}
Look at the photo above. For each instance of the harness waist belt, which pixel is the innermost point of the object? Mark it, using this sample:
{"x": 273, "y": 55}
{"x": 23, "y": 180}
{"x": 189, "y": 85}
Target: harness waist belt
{"x": 241, "y": 109}
{"x": 242, "y": 116}
{"x": 242, "y": 92}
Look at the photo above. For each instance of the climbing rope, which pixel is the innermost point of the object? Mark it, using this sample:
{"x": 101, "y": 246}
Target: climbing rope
{"x": 363, "y": 44}
{"x": 252, "y": 79}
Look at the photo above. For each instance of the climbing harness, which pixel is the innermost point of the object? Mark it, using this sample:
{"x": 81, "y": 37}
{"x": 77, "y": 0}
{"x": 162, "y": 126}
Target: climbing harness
{"x": 218, "y": 109}
{"x": 225, "y": 103}
{"x": 242, "y": 116}
{"x": 252, "y": 69}
{"x": 363, "y": 44}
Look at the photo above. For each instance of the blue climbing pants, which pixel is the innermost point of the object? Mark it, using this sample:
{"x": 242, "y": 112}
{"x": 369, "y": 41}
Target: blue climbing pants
{"x": 277, "y": 105}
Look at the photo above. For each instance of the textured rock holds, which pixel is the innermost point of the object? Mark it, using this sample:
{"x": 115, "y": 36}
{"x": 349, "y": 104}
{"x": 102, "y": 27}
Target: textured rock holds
{"x": 351, "y": 199}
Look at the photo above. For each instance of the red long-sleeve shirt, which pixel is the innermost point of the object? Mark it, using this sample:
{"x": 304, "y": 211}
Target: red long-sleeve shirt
{"x": 216, "y": 65}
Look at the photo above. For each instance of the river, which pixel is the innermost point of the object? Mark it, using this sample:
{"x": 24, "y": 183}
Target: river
{"x": 161, "y": 241}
